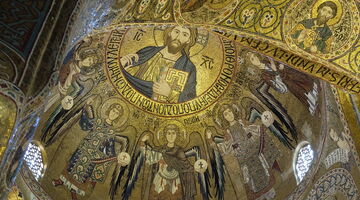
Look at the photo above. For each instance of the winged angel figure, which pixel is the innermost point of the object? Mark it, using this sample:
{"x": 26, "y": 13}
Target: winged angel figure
{"x": 108, "y": 139}
{"x": 77, "y": 78}
{"x": 265, "y": 74}
{"x": 166, "y": 164}
{"x": 244, "y": 149}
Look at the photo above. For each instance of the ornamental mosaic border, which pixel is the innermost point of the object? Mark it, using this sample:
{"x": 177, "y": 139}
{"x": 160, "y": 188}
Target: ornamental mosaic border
{"x": 347, "y": 134}
{"x": 279, "y": 42}
{"x": 33, "y": 185}
{"x": 17, "y": 96}
{"x": 66, "y": 42}
{"x": 68, "y": 27}
{"x": 12, "y": 91}
{"x": 37, "y": 22}
{"x": 336, "y": 180}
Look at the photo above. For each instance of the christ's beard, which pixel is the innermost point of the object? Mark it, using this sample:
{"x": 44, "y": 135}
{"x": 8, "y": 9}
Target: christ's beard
{"x": 322, "y": 20}
{"x": 175, "y": 46}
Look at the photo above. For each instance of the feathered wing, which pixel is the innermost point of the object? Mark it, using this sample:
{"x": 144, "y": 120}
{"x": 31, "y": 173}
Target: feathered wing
{"x": 133, "y": 173}
{"x": 118, "y": 173}
{"x": 81, "y": 90}
{"x": 50, "y": 123}
{"x": 134, "y": 169}
{"x": 129, "y": 133}
{"x": 275, "y": 128}
{"x": 198, "y": 152}
{"x": 218, "y": 171}
{"x": 262, "y": 93}
{"x": 63, "y": 126}
{"x": 65, "y": 119}
{"x": 68, "y": 119}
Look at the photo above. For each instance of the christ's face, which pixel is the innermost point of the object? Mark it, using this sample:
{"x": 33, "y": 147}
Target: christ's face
{"x": 325, "y": 13}
{"x": 179, "y": 37}
{"x": 171, "y": 135}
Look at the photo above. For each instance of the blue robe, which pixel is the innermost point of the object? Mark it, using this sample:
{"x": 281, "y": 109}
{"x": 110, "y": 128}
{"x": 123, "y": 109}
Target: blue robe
{"x": 97, "y": 144}
{"x": 183, "y": 64}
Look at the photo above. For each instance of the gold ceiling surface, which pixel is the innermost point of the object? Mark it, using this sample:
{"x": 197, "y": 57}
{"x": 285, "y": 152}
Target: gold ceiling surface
{"x": 223, "y": 99}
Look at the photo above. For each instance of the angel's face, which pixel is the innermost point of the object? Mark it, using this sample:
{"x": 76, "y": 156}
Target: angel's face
{"x": 171, "y": 135}
{"x": 87, "y": 62}
{"x": 254, "y": 59}
{"x": 114, "y": 114}
{"x": 208, "y": 133}
{"x": 228, "y": 115}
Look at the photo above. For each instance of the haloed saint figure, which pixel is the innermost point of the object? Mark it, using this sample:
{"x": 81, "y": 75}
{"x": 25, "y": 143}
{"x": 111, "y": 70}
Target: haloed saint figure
{"x": 90, "y": 162}
{"x": 314, "y": 35}
{"x": 164, "y": 73}
{"x": 175, "y": 177}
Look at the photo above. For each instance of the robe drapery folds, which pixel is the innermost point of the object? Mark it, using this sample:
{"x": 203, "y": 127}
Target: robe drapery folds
{"x": 82, "y": 167}
{"x": 175, "y": 175}
{"x": 255, "y": 152}
{"x": 145, "y": 86}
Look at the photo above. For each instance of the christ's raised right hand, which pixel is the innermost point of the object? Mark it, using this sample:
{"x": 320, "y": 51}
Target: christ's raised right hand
{"x": 128, "y": 60}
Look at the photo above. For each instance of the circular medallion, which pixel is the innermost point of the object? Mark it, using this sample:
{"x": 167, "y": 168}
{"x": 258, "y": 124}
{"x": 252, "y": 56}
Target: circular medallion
{"x": 67, "y": 102}
{"x": 200, "y": 166}
{"x": 267, "y": 118}
{"x": 169, "y": 70}
{"x": 212, "y": 12}
{"x": 327, "y": 28}
{"x": 123, "y": 158}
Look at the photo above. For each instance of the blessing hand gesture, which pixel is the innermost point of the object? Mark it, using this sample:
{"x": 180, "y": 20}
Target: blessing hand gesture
{"x": 128, "y": 60}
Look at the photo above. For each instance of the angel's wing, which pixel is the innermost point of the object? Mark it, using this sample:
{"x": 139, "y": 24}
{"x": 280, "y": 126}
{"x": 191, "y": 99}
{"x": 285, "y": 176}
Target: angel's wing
{"x": 69, "y": 118}
{"x": 198, "y": 152}
{"x": 262, "y": 93}
{"x": 136, "y": 163}
{"x": 129, "y": 133}
{"x": 218, "y": 171}
{"x": 193, "y": 152}
{"x": 120, "y": 170}
{"x": 216, "y": 162}
{"x": 134, "y": 170}
{"x": 65, "y": 119}
{"x": 275, "y": 128}
{"x": 118, "y": 173}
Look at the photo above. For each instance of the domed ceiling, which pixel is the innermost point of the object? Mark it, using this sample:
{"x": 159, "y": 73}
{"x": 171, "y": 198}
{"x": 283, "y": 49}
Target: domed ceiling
{"x": 171, "y": 102}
